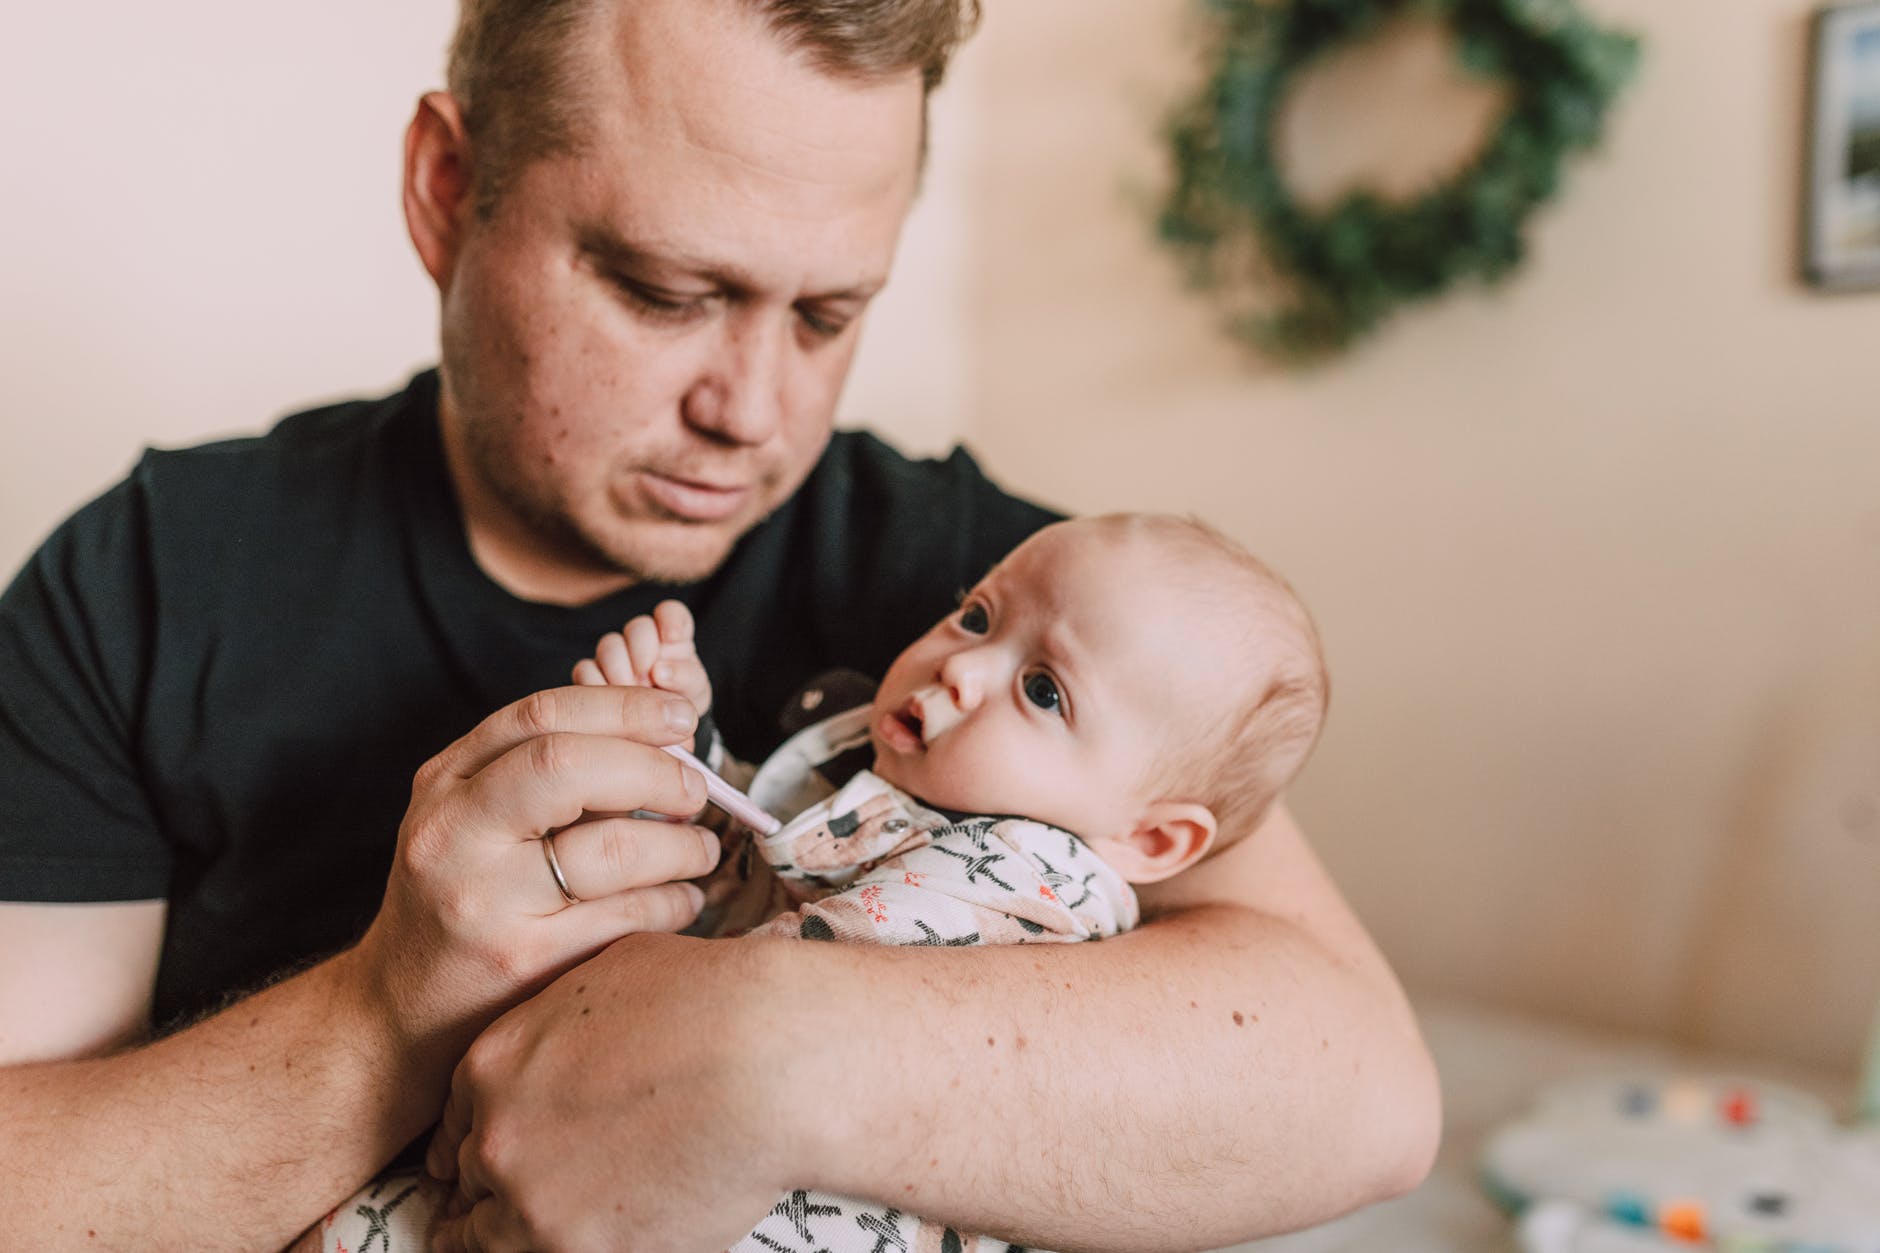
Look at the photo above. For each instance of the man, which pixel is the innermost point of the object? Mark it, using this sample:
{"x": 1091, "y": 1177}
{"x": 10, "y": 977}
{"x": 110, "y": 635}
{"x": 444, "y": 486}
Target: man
{"x": 654, "y": 226}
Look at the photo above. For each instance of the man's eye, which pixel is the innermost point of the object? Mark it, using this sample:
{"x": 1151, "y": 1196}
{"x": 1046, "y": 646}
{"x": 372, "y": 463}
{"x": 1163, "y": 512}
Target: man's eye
{"x": 973, "y": 619}
{"x": 657, "y": 305}
{"x": 822, "y": 325}
{"x": 1042, "y": 690}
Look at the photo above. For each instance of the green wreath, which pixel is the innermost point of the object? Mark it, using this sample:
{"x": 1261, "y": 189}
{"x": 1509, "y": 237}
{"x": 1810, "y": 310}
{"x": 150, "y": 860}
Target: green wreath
{"x": 1349, "y": 266}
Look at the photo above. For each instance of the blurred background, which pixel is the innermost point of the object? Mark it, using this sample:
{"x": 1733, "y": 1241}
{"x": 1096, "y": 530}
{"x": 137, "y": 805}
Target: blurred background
{"x": 1596, "y": 555}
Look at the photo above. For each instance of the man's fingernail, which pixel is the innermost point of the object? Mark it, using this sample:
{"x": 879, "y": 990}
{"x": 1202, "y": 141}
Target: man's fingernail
{"x": 679, "y": 715}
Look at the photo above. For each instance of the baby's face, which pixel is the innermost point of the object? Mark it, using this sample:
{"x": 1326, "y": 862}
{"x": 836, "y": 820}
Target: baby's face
{"x": 1054, "y": 688}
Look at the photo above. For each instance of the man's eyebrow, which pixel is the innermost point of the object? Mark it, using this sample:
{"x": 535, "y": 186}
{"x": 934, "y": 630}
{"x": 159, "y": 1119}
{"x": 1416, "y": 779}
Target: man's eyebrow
{"x": 635, "y": 257}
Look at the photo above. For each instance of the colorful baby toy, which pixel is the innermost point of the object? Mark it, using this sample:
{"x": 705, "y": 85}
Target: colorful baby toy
{"x": 1649, "y": 1165}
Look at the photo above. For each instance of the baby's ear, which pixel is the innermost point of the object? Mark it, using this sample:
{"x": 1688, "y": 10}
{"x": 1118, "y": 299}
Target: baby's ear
{"x": 1169, "y": 837}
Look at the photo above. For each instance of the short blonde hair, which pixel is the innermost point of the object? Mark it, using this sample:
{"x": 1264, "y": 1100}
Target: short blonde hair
{"x": 1239, "y": 758}
{"x": 515, "y": 65}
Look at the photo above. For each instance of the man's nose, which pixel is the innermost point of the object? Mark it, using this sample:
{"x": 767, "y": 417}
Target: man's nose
{"x": 738, "y": 398}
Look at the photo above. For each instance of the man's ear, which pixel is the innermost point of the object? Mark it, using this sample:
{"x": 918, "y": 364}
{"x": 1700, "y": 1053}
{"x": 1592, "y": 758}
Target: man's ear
{"x": 438, "y": 197}
{"x": 1169, "y": 837}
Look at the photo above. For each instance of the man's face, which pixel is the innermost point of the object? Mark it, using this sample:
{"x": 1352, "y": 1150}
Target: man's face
{"x": 1054, "y": 690}
{"x": 644, "y": 343}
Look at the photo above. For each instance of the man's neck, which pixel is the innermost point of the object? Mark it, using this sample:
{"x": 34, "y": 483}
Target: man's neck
{"x": 507, "y": 549}
{"x": 517, "y": 567}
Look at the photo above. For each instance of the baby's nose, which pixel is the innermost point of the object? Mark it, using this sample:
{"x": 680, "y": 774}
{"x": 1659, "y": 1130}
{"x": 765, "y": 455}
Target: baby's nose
{"x": 964, "y": 679}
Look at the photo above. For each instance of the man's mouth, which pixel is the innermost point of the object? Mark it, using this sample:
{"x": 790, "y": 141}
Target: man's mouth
{"x": 695, "y": 500}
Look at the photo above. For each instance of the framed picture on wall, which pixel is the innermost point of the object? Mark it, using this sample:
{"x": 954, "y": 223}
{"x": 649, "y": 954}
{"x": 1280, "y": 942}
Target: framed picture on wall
{"x": 1842, "y": 244}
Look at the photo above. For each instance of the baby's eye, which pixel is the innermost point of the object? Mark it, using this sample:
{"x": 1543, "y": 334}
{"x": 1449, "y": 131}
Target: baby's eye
{"x": 973, "y": 619}
{"x": 1042, "y": 690}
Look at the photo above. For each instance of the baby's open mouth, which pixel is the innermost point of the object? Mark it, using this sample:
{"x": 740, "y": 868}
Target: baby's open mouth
{"x": 909, "y": 717}
{"x": 902, "y": 730}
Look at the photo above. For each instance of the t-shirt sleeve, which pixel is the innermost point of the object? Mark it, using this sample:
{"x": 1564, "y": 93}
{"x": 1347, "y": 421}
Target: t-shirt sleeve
{"x": 76, "y": 823}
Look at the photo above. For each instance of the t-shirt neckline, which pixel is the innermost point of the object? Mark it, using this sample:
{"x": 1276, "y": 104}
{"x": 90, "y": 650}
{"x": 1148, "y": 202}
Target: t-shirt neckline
{"x": 506, "y": 644}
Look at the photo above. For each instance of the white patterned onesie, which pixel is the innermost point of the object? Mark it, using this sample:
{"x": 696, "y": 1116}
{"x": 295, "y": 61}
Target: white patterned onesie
{"x": 862, "y": 863}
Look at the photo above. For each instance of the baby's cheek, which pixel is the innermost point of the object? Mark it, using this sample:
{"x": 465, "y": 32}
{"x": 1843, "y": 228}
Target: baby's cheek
{"x": 997, "y": 778}
{"x": 1051, "y": 787}
{"x": 939, "y": 779}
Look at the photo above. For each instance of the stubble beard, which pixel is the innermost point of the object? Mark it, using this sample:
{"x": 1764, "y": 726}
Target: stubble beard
{"x": 645, "y": 549}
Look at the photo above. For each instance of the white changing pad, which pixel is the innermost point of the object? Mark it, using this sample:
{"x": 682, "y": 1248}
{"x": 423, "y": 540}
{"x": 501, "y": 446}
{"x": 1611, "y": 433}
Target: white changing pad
{"x": 1492, "y": 1064}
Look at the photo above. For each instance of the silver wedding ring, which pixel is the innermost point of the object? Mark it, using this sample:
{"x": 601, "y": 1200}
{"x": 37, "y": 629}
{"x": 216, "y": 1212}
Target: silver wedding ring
{"x": 554, "y": 868}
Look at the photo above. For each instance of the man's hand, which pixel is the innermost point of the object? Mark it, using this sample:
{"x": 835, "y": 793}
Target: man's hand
{"x": 473, "y": 919}
{"x": 259, "y": 1117}
{"x": 536, "y": 1129}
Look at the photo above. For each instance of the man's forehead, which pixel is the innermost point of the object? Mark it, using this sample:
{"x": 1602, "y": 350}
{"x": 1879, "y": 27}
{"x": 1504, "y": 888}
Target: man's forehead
{"x": 709, "y": 148}
{"x": 711, "y": 75}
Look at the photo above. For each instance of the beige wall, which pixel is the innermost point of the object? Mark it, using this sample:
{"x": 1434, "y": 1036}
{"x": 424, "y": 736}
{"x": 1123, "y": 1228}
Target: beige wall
{"x": 202, "y": 227}
{"x": 202, "y": 233}
{"x": 1597, "y": 555}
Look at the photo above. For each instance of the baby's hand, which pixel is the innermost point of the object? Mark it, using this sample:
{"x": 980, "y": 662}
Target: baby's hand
{"x": 653, "y": 650}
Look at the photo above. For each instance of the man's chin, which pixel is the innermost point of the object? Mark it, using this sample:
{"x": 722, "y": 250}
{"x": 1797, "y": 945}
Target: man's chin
{"x": 675, "y": 552}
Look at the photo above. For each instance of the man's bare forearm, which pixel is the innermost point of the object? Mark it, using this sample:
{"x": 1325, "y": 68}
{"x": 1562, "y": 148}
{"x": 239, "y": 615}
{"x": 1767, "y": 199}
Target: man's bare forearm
{"x": 243, "y": 1129}
{"x": 1242, "y": 1065}
{"x": 236, "y": 1133}
{"x": 1209, "y": 1078}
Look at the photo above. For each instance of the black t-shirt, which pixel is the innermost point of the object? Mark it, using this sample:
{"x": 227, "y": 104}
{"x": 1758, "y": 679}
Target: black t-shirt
{"x": 217, "y": 680}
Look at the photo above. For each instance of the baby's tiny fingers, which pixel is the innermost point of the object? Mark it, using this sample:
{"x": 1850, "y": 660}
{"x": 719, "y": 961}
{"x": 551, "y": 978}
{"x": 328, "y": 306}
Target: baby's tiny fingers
{"x": 643, "y": 646}
{"x": 588, "y": 674}
{"x": 612, "y": 659}
{"x": 674, "y": 621}
{"x": 686, "y": 676}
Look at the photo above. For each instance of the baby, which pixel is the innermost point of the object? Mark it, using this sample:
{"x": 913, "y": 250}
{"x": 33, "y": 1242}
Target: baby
{"x": 1119, "y": 698}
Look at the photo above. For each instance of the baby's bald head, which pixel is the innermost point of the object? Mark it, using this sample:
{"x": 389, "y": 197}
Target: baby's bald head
{"x": 1238, "y": 751}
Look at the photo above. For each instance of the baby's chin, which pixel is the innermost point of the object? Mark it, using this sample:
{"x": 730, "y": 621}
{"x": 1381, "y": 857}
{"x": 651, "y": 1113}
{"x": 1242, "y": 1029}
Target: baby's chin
{"x": 904, "y": 772}
{"x": 890, "y": 766}
{"x": 946, "y": 795}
